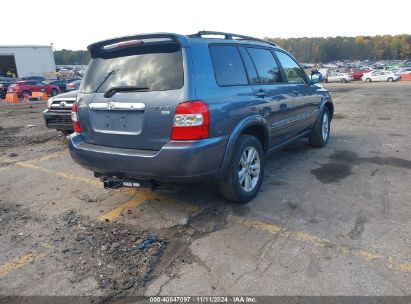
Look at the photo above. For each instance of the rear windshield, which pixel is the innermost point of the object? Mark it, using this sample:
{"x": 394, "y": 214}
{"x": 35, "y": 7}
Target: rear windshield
{"x": 152, "y": 68}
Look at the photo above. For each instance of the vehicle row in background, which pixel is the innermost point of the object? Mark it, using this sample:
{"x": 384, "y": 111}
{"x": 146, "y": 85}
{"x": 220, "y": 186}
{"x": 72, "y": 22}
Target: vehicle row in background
{"x": 29, "y": 85}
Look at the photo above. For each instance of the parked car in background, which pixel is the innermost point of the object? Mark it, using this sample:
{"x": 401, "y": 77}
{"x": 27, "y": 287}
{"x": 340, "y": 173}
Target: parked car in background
{"x": 71, "y": 79}
{"x": 380, "y": 75}
{"x": 338, "y": 77}
{"x": 27, "y": 87}
{"x": 38, "y": 78}
{"x": 58, "y": 113}
{"x": 4, "y": 84}
{"x": 75, "y": 85}
{"x": 357, "y": 74}
{"x": 60, "y": 83}
{"x": 143, "y": 120}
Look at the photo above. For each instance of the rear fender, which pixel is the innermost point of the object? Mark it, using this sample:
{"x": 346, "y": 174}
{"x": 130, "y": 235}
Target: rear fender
{"x": 254, "y": 120}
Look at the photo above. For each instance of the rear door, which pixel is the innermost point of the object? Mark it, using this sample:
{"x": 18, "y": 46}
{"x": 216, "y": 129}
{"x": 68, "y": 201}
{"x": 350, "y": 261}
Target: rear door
{"x": 273, "y": 95}
{"x": 150, "y": 80}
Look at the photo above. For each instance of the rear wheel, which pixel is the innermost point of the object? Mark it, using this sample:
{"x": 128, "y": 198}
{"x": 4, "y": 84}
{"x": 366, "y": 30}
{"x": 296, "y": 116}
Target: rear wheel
{"x": 390, "y": 79}
{"x": 54, "y": 92}
{"x": 245, "y": 173}
{"x": 368, "y": 80}
{"x": 321, "y": 133}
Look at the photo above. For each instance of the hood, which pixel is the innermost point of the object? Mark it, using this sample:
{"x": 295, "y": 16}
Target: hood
{"x": 71, "y": 94}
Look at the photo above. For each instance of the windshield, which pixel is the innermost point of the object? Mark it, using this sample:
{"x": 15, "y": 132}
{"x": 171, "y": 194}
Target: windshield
{"x": 157, "y": 68}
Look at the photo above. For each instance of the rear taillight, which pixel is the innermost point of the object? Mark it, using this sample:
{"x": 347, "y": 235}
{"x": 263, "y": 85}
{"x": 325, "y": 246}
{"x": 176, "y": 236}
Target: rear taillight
{"x": 191, "y": 121}
{"x": 74, "y": 118}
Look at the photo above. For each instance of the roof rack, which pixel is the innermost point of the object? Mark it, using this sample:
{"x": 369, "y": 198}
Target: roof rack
{"x": 229, "y": 36}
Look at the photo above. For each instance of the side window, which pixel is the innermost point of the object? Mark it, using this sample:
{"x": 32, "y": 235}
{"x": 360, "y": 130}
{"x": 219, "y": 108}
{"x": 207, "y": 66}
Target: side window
{"x": 266, "y": 66}
{"x": 228, "y": 66}
{"x": 292, "y": 70}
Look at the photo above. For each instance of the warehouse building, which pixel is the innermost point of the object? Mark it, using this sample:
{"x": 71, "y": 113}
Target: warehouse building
{"x": 26, "y": 60}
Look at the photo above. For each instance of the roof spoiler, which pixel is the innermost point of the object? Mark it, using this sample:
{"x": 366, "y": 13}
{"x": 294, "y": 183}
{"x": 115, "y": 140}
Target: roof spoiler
{"x": 96, "y": 48}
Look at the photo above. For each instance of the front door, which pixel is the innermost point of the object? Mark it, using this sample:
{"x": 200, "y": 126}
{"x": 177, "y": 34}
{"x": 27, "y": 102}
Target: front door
{"x": 306, "y": 98}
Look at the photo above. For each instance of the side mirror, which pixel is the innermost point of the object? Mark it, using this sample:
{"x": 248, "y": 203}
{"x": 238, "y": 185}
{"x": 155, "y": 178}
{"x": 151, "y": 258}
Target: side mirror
{"x": 316, "y": 78}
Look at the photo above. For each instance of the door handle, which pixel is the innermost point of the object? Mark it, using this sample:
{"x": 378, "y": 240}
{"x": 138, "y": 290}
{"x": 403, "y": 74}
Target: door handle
{"x": 261, "y": 94}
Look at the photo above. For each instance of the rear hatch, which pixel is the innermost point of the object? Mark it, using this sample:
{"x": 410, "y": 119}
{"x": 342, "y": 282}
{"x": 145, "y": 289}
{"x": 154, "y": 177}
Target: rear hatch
{"x": 129, "y": 94}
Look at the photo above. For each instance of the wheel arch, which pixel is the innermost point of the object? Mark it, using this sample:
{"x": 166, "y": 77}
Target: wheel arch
{"x": 325, "y": 103}
{"x": 252, "y": 125}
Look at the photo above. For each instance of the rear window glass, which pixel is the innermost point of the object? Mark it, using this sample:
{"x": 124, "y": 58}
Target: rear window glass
{"x": 156, "y": 68}
{"x": 228, "y": 66}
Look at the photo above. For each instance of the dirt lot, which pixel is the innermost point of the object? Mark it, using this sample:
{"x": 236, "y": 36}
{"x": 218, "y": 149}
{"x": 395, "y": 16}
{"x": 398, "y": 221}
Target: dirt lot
{"x": 332, "y": 221}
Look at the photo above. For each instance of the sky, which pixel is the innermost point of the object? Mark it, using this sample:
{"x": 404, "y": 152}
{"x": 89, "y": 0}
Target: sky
{"x": 74, "y": 24}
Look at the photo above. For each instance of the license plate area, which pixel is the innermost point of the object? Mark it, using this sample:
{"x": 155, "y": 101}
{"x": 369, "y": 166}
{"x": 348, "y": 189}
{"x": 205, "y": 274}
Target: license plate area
{"x": 131, "y": 184}
{"x": 123, "y": 122}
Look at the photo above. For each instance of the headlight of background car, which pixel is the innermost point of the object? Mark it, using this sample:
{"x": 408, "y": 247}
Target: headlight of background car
{"x": 49, "y": 102}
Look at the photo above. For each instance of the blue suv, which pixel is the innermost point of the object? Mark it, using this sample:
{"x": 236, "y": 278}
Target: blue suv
{"x": 161, "y": 108}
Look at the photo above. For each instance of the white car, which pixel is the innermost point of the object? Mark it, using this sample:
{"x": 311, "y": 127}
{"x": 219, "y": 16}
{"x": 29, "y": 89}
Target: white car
{"x": 380, "y": 75}
{"x": 338, "y": 77}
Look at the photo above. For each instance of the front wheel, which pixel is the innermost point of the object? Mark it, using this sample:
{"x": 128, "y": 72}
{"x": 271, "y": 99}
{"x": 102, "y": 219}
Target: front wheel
{"x": 368, "y": 80}
{"x": 244, "y": 176}
{"x": 344, "y": 80}
{"x": 321, "y": 132}
{"x": 390, "y": 79}
{"x": 54, "y": 92}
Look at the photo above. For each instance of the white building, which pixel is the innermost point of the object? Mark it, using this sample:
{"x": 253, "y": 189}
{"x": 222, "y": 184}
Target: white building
{"x": 26, "y": 60}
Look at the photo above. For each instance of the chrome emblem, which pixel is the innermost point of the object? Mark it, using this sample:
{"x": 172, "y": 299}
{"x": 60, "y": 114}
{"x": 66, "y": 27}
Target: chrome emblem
{"x": 63, "y": 104}
{"x": 111, "y": 105}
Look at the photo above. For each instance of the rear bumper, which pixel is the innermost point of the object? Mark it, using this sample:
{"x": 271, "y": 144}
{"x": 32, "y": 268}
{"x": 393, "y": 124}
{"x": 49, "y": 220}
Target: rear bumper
{"x": 177, "y": 161}
{"x": 58, "y": 120}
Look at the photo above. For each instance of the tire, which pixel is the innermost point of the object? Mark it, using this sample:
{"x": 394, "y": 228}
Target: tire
{"x": 390, "y": 79}
{"x": 54, "y": 92}
{"x": 344, "y": 80}
{"x": 367, "y": 80}
{"x": 230, "y": 185}
{"x": 25, "y": 93}
{"x": 321, "y": 133}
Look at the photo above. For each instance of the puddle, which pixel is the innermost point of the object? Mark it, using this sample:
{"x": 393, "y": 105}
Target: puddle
{"x": 341, "y": 164}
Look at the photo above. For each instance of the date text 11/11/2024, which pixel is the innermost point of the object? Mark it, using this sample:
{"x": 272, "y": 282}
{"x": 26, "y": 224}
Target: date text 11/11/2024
{"x": 203, "y": 299}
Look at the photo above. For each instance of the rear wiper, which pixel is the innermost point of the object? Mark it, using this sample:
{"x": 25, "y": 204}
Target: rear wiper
{"x": 110, "y": 92}
{"x": 112, "y": 72}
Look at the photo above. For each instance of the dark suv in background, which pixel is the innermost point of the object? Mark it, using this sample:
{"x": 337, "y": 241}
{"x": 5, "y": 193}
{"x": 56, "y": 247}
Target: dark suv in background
{"x": 158, "y": 108}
